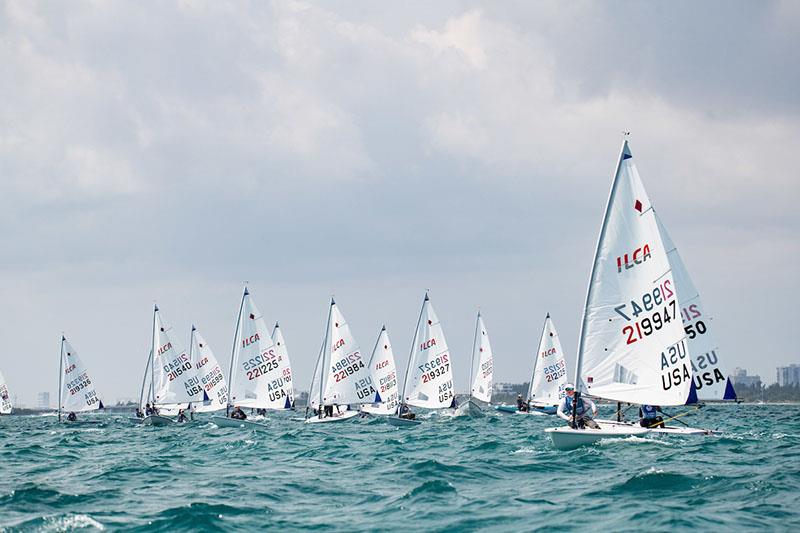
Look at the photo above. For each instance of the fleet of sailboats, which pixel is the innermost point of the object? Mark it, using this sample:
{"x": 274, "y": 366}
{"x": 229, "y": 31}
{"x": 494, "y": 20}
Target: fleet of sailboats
{"x": 645, "y": 339}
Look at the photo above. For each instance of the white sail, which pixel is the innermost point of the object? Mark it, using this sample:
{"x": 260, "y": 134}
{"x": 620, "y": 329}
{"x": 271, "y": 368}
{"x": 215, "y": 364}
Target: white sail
{"x": 283, "y": 353}
{"x": 482, "y": 384}
{"x": 77, "y": 390}
{"x": 174, "y": 378}
{"x": 430, "y": 384}
{"x": 348, "y": 379}
{"x": 5, "y": 397}
{"x": 710, "y": 379}
{"x": 210, "y": 374}
{"x": 632, "y": 345}
{"x": 384, "y": 376}
{"x": 549, "y": 369}
{"x": 260, "y": 376}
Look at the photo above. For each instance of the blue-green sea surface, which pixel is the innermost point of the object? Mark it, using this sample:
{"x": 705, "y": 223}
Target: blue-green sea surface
{"x": 499, "y": 473}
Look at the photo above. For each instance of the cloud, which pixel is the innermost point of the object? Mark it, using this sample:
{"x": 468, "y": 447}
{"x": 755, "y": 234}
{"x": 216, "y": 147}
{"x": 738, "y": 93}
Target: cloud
{"x": 174, "y": 152}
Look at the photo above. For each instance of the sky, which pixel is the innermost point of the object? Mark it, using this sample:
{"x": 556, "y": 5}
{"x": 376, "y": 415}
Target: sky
{"x": 171, "y": 152}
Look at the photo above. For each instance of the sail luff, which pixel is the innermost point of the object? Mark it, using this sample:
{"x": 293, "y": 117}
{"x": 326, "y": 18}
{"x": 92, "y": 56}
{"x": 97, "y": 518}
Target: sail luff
{"x": 234, "y": 349}
{"x": 413, "y": 349}
{"x": 536, "y": 357}
{"x": 60, "y": 376}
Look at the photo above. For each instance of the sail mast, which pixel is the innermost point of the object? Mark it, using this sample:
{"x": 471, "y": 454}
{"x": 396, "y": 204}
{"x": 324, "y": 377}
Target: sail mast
{"x": 144, "y": 378}
{"x": 153, "y": 352}
{"x": 60, "y": 375}
{"x": 474, "y": 342}
{"x": 413, "y": 347}
{"x": 600, "y": 237}
{"x": 234, "y": 351}
{"x": 325, "y": 348}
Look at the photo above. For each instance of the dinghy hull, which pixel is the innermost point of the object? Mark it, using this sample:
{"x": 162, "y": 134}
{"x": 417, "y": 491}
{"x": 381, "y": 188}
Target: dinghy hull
{"x": 470, "y": 408}
{"x": 668, "y": 430}
{"x": 157, "y": 420}
{"x": 225, "y": 422}
{"x": 338, "y": 417}
{"x": 403, "y": 422}
{"x": 566, "y": 438}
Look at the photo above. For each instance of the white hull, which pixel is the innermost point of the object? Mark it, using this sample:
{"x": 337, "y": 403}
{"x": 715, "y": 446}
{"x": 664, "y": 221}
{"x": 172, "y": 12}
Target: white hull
{"x": 225, "y": 422}
{"x": 566, "y": 438}
{"x": 377, "y": 411}
{"x": 402, "y": 422}
{"x": 668, "y": 430}
{"x": 337, "y": 417}
{"x": 470, "y": 408}
{"x": 157, "y": 420}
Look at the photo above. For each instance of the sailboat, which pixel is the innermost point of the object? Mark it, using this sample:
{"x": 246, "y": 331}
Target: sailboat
{"x": 76, "y": 390}
{"x": 428, "y": 381}
{"x": 341, "y": 376}
{"x": 710, "y": 380}
{"x": 546, "y": 388}
{"x": 209, "y": 373}
{"x": 5, "y": 397}
{"x": 383, "y": 374}
{"x": 632, "y": 345}
{"x": 481, "y": 387}
{"x": 173, "y": 378}
{"x": 259, "y": 377}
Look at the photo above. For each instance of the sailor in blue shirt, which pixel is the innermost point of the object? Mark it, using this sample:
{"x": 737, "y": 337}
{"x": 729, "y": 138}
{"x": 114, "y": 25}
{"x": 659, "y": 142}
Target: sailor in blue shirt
{"x": 648, "y": 416}
{"x": 583, "y": 418}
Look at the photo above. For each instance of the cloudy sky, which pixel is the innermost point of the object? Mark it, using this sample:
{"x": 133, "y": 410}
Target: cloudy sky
{"x": 171, "y": 152}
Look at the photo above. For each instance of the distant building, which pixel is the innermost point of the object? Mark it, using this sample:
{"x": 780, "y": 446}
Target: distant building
{"x": 43, "y": 400}
{"x": 788, "y": 375}
{"x": 740, "y": 377}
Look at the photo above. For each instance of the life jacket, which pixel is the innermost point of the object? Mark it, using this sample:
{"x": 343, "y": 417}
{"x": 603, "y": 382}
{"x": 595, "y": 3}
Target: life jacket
{"x": 649, "y": 412}
{"x": 581, "y": 406}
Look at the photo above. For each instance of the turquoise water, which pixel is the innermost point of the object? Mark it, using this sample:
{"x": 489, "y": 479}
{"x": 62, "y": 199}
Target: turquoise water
{"x": 499, "y": 473}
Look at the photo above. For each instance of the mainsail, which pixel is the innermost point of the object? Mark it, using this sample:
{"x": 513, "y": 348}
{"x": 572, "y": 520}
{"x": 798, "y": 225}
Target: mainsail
{"x": 429, "y": 377}
{"x": 549, "y": 368}
{"x": 260, "y": 377}
{"x": 710, "y": 380}
{"x": 76, "y": 390}
{"x": 482, "y": 384}
{"x": 383, "y": 375}
{"x": 174, "y": 378}
{"x": 283, "y": 353}
{"x": 5, "y": 397}
{"x": 632, "y": 345}
{"x": 348, "y": 377}
{"x": 209, "y": 372}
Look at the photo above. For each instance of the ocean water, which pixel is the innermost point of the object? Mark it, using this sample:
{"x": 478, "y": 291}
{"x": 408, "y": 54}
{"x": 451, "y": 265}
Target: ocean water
{"x": 499, "y": 473}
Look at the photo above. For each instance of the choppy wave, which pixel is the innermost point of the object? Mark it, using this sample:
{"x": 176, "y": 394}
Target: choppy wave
{"x": 496, "y": 473}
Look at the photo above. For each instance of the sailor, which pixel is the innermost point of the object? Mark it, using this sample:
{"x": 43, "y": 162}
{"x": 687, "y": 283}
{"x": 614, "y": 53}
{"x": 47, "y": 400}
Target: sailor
{"x": 522, "y": 405}
{"x": 582, "y": 409}
{"x": 147, "y": 409}
{"x": 405, "y": 412}
{"x": 262, "y": 412}
{"x": 71, "y": 417}
{"x": 182, "y": 416}
{"x": 238, "y": 414}
{"x": 139, "y": 413}
{"x": 454, "y": 403}
{"x": 648, "y": 417}
{"x": 327, "y": 411}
